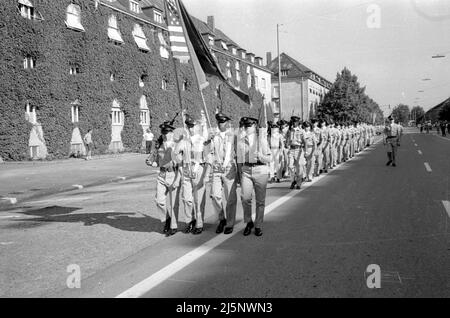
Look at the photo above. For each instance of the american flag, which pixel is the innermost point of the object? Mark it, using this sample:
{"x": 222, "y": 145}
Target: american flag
{"x": 176, "y": 34}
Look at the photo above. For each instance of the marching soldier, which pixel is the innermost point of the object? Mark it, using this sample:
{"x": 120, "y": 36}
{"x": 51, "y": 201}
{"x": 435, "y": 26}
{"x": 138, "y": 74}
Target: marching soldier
{"x": 393, "y": 134}
{"x": 224, "y": 172}
{"x": 168, "y": 178}
{"x": 295, "y": 153}
{"x": 310, "y": 145}
{"x": 276, "y": 146}
{"x": 192, "y": 156}
{"x": 326, "y": 145}
{"x": 318, "y": 156}
{"x": 284, "y": 131}
{"x": 254, "y": 154}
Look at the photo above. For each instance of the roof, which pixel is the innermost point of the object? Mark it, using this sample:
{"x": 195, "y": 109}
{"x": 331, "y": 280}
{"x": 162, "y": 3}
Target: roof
{"x": 433, "y": 112}
{"x": 289, "y": 63}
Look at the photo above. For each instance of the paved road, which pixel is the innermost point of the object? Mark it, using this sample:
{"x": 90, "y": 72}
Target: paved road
{"x": 316, "y": 243}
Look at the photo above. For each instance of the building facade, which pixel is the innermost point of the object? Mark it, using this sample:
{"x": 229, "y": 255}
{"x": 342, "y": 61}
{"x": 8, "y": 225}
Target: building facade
{"x": 301, "y": 88}
{"x": 70, "y": 65}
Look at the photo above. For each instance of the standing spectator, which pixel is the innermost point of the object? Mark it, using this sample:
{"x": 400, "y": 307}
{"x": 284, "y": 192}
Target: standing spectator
{"x": 148, "y": 137}
{"x": 89, "y": 144}
{"x": 443, "y": 126}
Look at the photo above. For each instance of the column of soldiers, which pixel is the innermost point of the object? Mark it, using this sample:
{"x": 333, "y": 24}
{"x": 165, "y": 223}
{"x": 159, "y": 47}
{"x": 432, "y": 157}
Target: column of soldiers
{"x": 221, "y": 158}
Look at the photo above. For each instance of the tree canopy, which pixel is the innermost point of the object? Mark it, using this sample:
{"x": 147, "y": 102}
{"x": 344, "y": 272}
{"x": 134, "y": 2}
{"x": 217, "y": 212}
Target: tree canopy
{"x": 401, "y": 114}
{"x": 347, "y": 101}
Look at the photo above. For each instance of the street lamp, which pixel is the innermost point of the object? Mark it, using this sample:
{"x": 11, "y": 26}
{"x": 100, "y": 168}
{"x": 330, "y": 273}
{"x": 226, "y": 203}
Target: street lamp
{"x": 279, "y": 70}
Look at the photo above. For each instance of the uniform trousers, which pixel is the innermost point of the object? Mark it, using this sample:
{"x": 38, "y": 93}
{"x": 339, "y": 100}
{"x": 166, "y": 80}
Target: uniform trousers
{"x": 163, "y": 195}
{"x": 326, "y": 156}
{"x": 254, "y": 178}
{"x": 317, "y": 160}
{"x": 223, "y": 192}
{"x": 193, "y": 195}
{"x": 276, "y": 164}
{"x": 392, "y": 149}
{"x": 296, "y": 164}
{"x": 310, "y": 162}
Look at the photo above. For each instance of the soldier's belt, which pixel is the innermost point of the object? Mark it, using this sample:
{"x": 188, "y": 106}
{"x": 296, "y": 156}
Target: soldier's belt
{"x": 253, "y": 164}
{"x": 295, "y": 146}
{"x": 391, "y": 137}
{"x": 168, "y": 169}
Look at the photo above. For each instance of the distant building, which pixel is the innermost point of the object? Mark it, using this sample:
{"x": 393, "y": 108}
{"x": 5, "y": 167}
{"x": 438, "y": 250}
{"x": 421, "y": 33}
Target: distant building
{"x": 302, "y": 89}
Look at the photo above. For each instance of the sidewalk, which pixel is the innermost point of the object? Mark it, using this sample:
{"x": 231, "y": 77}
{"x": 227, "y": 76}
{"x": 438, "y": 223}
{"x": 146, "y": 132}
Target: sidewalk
{"x": 31, "y": 179}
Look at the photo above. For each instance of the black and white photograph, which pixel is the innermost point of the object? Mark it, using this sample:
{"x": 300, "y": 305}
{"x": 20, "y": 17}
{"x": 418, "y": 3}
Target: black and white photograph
{"x": 224, "y": 155}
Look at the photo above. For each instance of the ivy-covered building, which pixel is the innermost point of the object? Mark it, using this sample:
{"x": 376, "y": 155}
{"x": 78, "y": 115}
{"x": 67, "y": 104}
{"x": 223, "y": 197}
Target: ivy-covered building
{"x": 70, "y": 65}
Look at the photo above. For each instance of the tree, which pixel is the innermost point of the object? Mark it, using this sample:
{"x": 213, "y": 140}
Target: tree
{"x": 417, "y": 113}
{"x": 401, "y": 114}
{"x": 444, "y": 113}
{"x": 347, "y": 100}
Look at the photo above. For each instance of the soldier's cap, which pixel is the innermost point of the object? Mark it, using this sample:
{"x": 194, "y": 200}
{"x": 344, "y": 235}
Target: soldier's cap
{"x": 189, "y": 121}
{"x": 295, "y": 119}
{"x": 390, "y": 118}
{"x": 282, "y": 123}
{"x": 271, "y": 124}
{"x": 221, "y": 118}
{"x": 166, "y": 127}
{"x": 248, "y": 121}
{"x": 306, "y": 124}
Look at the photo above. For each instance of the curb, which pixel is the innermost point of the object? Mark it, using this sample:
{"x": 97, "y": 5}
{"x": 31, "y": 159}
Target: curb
{"x": 7, "y": 203}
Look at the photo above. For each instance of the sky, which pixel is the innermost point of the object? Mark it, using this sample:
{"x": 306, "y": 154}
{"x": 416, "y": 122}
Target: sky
{"x": 388, "y": 44}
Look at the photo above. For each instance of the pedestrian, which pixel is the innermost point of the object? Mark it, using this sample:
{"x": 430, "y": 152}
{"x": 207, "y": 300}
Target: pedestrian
{"x": 392, "y": 136}
{"x": 295, "y": 153}
{"x": 284, "y": 131}
{"x": 224, "y": 173}
{"x": 443, "y": 126}
{"x": 168, "y": 179}
{"x": 148, "y": 137}
{"x": 254, "y": 155}
{"x": 192, "y": 156}
{"x": 309, "y": 149}
{"x": 89, "y": 144}
{"x": 276, "y": 146}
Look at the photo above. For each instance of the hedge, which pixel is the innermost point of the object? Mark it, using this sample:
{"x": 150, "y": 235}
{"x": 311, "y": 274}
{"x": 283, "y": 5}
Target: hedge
{"x": 51, "y": 89}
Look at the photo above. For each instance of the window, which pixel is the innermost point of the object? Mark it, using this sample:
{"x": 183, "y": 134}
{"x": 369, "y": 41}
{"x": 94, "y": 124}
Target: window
{"x": 75, "y": 112}
{"x": 256, "y": 82}
{"x": 163, "y": 52}
{"x": 252, "y": 59}
{"x": 141, "y": 82}
{"x": 228, "y": 70}
{"x": 139, "y": 38}
{"x": 30, "y": 113}
{"x": 185, "y": 85}
{"x": 233, "y": 50}
{"x": 164, "y": 84}
{"x": 73, "y": 17}
{"x": 144, "y": 112}
{"x": 211, "y": 40}
{"x": 249, "y": 78}
{"x": 26, "y": 9}
{"x": 28, "y": 63}
{"x": 157, "y": 16}
{"x": 116, "y": 114}
{"x": 263, "y": 83}
{"x": 134, "y": 6}
{"x": 74, "y": 69}
{"x": 112, "y": 77}
{"x": 243, "y": 55}
{"x": 238, "y": 71}
{"x": 224, "y": 46}
{"x": 142, "y": 79}
{"x": 113, "y": 30}
{"x": 284, "y": 72}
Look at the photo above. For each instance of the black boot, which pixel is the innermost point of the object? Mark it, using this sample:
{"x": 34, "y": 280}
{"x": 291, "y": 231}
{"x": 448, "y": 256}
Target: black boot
{"x": 190, "y": 227}
{"x": 293, "y": 184}
{"x": 167, "y": 225}
{"x": 221, "y": 226}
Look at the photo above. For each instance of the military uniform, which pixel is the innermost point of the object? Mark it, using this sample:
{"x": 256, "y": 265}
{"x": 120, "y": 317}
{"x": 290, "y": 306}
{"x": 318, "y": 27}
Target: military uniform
{"x": 326, "y": 146}
{"x": 167, "y": 181}
{"x": 310, "y": 144}
{"x": 318, "y": 155}
{"x": 296, "y": 162}
{"x": 224, "y": 173}
{"x": 192, "y": 156}
{"x": 276, "y": 146}
{"x": 392, "y": 133}
{"x": 254, "y": 155}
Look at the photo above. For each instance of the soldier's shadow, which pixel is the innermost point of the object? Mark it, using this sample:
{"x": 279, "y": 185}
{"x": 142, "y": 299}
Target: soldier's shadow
{"x": 125, "y": 221}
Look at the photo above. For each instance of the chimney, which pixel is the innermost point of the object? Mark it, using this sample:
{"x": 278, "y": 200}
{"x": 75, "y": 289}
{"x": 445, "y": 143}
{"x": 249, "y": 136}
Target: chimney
{"x": 211, "y": 23}
{"x": 268, "y": 58}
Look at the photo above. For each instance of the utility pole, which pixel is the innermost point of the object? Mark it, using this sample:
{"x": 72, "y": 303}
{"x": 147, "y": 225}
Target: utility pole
{"x": 279, "y": 69}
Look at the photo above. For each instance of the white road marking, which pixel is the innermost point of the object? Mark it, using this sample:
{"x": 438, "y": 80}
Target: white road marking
{"x": 10, "y": 200}
{"x": 10, "y": 216}
{"x": 448, "y": 139}
{"x": 6, "y": 243}
{"x": 121, "y": 178}
{"x": 59, "y": 200}
{"x": 171, "y": 269}
{"x": 415, "y": 145}
{"x": 427, "y": 166}
{"x": 420, "y": 152}
{"x": 447, "y": 207}
{"x": 78, "y": 186}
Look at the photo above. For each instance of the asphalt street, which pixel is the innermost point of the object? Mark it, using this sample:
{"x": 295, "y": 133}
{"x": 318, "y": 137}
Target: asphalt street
{"x": 317, "y": 242}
